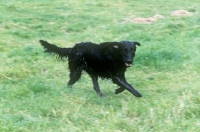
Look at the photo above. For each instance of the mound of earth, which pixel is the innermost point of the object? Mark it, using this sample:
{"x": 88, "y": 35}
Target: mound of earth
{"x": 144, "y": 20}
{"x": 149, "y": 20}
{"x": 181, "y": 13}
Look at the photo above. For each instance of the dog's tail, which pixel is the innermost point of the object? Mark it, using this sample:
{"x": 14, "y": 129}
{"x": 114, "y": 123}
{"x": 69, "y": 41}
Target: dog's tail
{"x": 51, "y": 48}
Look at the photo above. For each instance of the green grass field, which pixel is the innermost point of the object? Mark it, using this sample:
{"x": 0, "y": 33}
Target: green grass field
{"x": 33, "y": 85}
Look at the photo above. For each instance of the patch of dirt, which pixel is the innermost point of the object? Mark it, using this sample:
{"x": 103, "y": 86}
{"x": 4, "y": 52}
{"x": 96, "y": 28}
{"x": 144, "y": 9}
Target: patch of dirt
{"x": 147, "y": 20}
{"x": 181, "y": 13}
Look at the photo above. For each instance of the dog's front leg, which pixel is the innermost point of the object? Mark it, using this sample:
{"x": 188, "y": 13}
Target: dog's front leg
{"x": 119, "y": 90}
{"x": 124, "y": 85}
{"x": 96, "y": 85}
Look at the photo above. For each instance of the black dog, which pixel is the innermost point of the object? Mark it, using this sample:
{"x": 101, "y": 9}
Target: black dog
{"x": 105, "y": 60}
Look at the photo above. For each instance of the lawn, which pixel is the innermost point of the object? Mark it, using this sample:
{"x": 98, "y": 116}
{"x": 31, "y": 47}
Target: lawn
{"x": 33, "y": 85}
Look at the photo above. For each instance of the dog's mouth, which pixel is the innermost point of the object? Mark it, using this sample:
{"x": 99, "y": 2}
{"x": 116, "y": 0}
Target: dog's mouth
{"x": 128, "y": 63}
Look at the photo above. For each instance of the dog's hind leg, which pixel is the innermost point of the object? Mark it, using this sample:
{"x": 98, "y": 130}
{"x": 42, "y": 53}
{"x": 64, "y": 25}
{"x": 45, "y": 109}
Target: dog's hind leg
{"x": 96, "y": 85}
{"x": 74, "y": 77}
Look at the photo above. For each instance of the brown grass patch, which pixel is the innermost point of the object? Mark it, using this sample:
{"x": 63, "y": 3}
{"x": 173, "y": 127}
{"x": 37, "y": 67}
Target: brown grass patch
{"x": 181, "y": 13}
{"x": 143, "y": 20}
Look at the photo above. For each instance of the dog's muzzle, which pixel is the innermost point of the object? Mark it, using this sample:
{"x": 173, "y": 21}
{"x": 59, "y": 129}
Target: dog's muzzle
{"x": 128, "y": 63}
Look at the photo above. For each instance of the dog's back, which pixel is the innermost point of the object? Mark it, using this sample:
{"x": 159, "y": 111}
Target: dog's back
{"x": 99, "y": 59}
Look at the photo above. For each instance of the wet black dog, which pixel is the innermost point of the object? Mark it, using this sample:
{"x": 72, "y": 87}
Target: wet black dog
{"x": 105, "y": 60}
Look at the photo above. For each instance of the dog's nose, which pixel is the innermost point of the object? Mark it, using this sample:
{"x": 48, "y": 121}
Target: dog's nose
{"x": 129, "y": 61}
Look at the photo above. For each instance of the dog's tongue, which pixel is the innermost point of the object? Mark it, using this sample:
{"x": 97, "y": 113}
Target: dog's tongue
{"x": 128, "y": 65}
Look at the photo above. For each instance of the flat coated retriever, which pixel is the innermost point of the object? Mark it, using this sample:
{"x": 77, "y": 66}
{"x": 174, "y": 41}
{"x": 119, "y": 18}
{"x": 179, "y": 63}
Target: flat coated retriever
{"x": 105, "y": 60}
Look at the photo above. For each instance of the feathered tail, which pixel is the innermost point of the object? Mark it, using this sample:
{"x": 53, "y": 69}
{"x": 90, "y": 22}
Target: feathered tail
{"x": 51, "y": 48}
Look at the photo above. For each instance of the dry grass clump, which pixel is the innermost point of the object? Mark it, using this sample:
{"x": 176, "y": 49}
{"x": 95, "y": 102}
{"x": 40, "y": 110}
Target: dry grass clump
{"x": 145, "y": 20}
{"x": 181, "y": 13}
{"x": 149, "y": 20}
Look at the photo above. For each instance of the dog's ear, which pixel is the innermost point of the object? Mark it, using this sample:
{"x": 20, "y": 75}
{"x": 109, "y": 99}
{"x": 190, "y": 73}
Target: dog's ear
{"x": 137, "y": 43}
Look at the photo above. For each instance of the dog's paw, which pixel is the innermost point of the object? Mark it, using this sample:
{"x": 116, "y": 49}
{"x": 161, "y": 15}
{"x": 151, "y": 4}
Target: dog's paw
{"x": 137, "y": 94}
{"x": 69, "y": 86}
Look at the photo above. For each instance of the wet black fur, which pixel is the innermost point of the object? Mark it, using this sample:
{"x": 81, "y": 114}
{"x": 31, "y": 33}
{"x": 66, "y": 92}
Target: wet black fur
{"x": 105, "y": 60}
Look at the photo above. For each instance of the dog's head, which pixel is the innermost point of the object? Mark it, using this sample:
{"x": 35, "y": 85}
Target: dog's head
{"x": 127, "y": 50}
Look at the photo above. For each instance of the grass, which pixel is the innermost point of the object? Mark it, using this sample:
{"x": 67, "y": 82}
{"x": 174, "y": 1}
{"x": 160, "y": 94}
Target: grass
{"x": 33, "y": 92}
